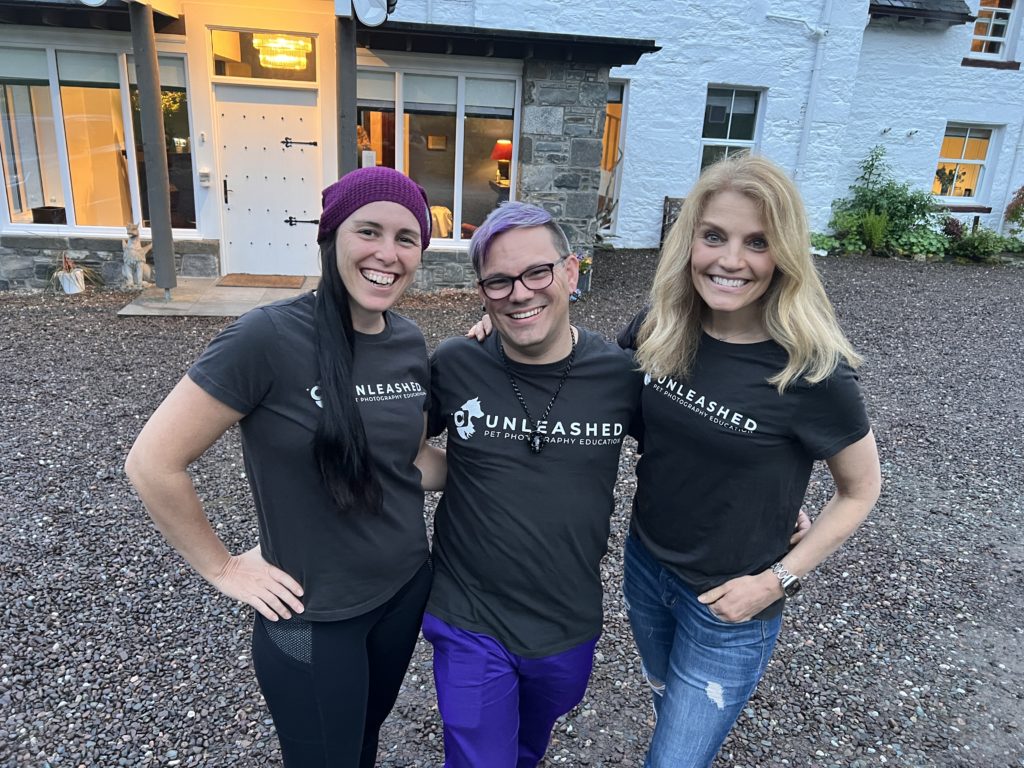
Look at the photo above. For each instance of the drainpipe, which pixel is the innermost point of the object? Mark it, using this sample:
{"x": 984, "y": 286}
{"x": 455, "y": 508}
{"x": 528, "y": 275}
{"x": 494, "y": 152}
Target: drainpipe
{"x": 819, "y": 33}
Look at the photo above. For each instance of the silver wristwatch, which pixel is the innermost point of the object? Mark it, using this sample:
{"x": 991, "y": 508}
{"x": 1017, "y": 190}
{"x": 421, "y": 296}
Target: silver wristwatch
{"x": 790, "y": 583}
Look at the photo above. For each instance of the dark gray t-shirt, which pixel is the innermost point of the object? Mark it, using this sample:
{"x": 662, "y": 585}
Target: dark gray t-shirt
{"x": 518, "y": 537}
{"x": 264, "y": 366}
{"x": 727, "y": 459}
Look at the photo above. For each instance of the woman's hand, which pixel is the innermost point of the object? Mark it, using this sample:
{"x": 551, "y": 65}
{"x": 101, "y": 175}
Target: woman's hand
{"x": 742, "y": 598}
{"x": 803, "y": 523}
{"x": 268, "y": 589}
{"x": 482, "y": 329}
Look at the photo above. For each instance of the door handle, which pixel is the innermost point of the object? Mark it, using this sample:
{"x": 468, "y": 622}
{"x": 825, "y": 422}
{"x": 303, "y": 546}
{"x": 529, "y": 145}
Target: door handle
{"x": 226, "y": 190}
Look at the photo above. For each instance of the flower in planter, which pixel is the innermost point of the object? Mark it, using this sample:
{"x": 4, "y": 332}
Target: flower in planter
{"x": 586, "y": 262}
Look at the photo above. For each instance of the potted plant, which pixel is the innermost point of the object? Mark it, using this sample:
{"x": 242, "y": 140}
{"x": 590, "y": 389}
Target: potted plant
{"x": 71, "y": 277}
{"x": 586, "y": 271}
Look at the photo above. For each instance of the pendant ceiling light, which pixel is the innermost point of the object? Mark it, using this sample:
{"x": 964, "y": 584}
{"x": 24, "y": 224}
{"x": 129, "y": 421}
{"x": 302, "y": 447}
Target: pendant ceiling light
{"x": 279, "y": 51}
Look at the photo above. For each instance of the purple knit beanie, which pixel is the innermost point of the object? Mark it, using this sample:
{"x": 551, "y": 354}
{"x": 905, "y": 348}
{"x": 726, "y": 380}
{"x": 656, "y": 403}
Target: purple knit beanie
{"x": 368, "y": 185}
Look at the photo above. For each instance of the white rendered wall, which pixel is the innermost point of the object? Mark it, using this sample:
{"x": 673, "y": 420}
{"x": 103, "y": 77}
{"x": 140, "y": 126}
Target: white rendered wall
{"x": 910, "y": 83}
{"x": 730, "y": 42}
{"x": 905, "y": 78}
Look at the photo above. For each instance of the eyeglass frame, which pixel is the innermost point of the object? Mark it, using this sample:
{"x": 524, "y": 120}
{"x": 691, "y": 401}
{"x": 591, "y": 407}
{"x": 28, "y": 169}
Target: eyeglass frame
{"x": 519, "y": 278}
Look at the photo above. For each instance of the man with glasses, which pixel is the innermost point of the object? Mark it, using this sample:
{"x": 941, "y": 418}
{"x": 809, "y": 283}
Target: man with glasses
{"x": 535, "y": 416}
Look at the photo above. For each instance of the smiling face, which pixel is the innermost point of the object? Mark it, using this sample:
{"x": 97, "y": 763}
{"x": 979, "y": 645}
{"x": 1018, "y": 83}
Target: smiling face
{"x": 379, "y": 251}
{"x": 731, "y": 263}
{"x": 534, "y": 325}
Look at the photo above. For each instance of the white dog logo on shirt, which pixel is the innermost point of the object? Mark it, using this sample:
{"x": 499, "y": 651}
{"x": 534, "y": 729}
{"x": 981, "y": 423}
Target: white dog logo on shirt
{"x": 463, "y": 417}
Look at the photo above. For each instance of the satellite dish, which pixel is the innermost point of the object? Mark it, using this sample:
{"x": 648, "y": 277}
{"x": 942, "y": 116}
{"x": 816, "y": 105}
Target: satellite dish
{"x": 372, "y": 13}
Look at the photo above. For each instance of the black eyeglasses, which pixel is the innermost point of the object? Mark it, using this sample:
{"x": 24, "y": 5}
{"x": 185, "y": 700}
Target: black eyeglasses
{"x": 536, "y": 278}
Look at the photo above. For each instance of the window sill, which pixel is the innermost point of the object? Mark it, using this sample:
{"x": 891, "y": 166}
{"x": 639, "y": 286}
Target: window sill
{"x": 989, "y": 63}
{"x": 956, "y": 208}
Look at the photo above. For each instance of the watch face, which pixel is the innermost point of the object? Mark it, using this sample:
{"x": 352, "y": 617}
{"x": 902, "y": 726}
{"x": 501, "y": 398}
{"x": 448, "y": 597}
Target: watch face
{"x": 370, "y": 12}
{"x": 793, "y": 588}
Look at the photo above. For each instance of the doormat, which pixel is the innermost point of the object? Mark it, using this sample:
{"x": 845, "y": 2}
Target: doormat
{"x": 244, "y": 280}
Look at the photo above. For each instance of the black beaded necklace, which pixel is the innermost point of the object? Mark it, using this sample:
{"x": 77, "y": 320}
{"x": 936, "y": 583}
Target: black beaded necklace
{"x": 537, "y": 440}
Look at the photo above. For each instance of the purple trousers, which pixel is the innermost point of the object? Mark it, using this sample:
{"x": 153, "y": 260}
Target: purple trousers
{"x": 498, "y": 708}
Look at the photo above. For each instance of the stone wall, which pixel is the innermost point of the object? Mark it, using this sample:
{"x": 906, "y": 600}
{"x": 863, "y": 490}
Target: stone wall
{"x": 560, "y": 143}
{"x": 445, "y": 269}
{"x": 28, "y": 261}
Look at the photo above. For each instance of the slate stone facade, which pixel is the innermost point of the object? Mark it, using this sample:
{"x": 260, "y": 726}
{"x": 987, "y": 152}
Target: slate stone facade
{"x": 28, "y": 261}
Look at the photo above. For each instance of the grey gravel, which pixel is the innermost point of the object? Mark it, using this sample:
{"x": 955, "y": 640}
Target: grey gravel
{"x": 902, "y": 650}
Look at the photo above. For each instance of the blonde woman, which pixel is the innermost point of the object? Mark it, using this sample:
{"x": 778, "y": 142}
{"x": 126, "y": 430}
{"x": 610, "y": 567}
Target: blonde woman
{"x": 749, "y": 381}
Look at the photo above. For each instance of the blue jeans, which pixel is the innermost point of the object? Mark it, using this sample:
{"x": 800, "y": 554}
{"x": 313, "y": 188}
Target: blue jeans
{"x": 702, "y": 669}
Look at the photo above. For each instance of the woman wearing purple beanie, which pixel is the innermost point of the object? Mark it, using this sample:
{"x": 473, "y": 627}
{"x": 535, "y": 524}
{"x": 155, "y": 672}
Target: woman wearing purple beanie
{"x": 329, "y": 391}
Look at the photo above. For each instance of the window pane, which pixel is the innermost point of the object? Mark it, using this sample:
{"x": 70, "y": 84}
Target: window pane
{"x": 174, "y": 104}
{"x": 264, "y": 55}
{"x": 430, "y": 135}
{"x": 429, "y": 93}
{"x": 977, "y": 144}
{"x": 487, "y": 155}
{"x": 375, "y": 118}
{"x": 485, "y": 171}
{"x": 500, "y": 95}
{"x": 716, "y": 113}
{"x": 946, "y": 176}
{"x": 953, "y": 143}
{"x": 711, "y": 155}
{"x": 968, "y": 181}
{"x": 28, "y": 141}
{"x": 744, "y": 116}
{"x": 94, "y": 129}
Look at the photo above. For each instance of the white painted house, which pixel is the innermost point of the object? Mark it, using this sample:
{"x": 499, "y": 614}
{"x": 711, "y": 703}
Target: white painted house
{"x": 598, "y": 111}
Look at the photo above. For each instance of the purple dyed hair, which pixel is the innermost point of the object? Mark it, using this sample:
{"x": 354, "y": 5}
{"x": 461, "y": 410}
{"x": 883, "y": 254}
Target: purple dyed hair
{"x": 513, "y": 215}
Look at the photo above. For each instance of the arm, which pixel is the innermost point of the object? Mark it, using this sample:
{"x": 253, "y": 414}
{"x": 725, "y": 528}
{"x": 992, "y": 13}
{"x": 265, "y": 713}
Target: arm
{"x": 432, "y": 462}
{"x": 187, "y": 423}
{"x": 858, "y": 481}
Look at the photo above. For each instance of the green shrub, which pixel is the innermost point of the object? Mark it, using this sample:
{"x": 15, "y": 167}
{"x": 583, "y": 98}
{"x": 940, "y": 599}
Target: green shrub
{"x": 875, "y": 194}
{"x": 822, "y": 242}
{"x": 874, "y": 227}
{"x": 920, "y": 241}
{"x": 980, "y": 245}
{"x": 1011, "y": 245}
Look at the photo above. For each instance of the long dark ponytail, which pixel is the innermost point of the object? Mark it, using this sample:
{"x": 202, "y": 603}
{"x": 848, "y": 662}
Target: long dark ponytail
{"x": 340, "y": 444}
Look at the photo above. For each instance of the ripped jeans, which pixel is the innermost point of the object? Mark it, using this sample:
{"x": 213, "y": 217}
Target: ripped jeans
{"x": 702, "y": 670}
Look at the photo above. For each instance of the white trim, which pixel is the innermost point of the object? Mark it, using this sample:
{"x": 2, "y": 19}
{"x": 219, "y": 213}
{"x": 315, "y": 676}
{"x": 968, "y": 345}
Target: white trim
{"x": 754, "y": 142}
{"x": 1008, "y": 41}
{"x": 992, "y": 153}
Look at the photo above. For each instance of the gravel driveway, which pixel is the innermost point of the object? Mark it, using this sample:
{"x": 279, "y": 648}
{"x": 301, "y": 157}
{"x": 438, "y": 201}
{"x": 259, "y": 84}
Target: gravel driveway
{"x": 904, "y": 649}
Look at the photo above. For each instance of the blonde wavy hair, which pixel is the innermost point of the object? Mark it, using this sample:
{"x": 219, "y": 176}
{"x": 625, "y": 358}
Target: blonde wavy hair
{"x": 797, "y": 313}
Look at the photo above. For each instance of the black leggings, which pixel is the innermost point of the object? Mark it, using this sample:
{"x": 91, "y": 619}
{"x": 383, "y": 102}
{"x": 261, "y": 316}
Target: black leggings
{"x": 329, "y": 685}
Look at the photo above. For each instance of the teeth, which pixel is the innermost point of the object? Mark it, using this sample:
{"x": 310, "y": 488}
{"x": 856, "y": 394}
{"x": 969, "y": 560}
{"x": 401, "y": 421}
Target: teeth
{"x": 378, "y": 278}
{"x": 728, "y": 282}
{"x": 524, "y": 315}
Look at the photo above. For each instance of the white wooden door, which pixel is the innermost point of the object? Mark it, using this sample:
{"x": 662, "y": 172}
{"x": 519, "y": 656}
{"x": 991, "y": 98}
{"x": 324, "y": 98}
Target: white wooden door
{"x": 269, "y": 156}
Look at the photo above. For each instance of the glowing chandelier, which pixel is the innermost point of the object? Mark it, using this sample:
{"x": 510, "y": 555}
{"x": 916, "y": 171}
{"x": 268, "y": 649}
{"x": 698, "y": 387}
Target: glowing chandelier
{"x": 282, "y": 51}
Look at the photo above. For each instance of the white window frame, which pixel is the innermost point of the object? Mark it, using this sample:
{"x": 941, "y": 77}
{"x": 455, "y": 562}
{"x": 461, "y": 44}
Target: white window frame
{"x": 90, "y": 44}
{"x": 462, "y": 68}
{"x": 980, "y": 189}
{"x": 748, "y": 144}
{"x": 615, "y": 188}
{"x": 1007, "y": 41}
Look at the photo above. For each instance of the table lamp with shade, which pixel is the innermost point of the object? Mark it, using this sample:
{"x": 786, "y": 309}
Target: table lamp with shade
{"x": 502, "y": 152}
